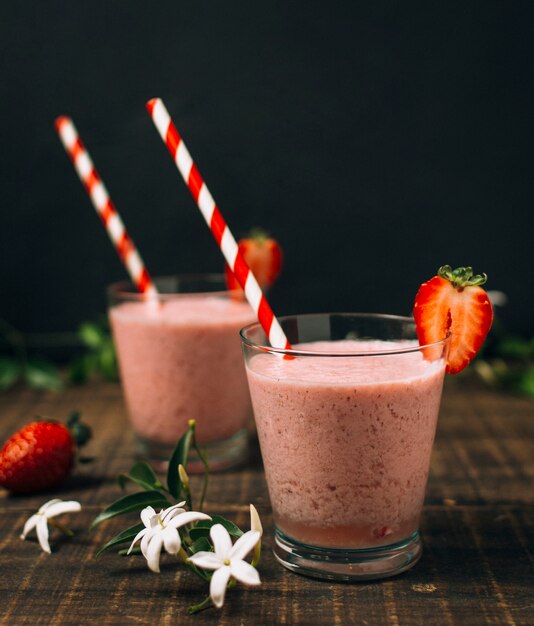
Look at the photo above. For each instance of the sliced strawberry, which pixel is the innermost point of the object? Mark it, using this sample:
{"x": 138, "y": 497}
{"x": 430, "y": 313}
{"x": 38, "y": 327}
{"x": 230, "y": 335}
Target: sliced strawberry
{"x": 264, "y": 257}
{"x": 453, "y": 301}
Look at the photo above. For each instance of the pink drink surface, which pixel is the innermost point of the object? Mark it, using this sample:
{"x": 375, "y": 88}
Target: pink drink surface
{"x": 182, "y": 360}
{"x": 346, "y": 441}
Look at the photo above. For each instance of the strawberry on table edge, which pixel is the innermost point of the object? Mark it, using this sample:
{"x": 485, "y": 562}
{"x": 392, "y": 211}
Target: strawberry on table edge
{"x": 263, "y": 255}
{"x": 454, "y": 301}
{"x": 41, "y": 454}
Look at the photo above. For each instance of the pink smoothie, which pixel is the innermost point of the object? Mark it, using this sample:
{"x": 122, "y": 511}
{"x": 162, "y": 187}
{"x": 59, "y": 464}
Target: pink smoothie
{"x": 346, "y": 441}
{"x": 182, "y": 360}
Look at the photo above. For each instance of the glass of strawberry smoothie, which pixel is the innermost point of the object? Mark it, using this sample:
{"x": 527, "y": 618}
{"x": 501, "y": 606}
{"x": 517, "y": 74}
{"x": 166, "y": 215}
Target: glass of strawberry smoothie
{"x": 346, "y": 427}
{"x": 180, "y": 359}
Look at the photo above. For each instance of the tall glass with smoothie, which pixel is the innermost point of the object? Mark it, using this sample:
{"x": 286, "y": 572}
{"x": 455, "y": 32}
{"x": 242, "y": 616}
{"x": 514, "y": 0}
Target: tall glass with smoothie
{"x": 180, "y": 359}
{"x": 346, "y": 427}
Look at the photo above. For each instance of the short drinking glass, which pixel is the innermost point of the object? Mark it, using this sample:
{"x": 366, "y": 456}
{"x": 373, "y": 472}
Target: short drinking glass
{"x": 180, "y": 359}
{"x": 346, "y": 421}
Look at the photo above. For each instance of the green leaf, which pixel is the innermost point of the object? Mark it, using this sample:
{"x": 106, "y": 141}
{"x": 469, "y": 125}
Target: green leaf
{"x": 203, "y": 457}
{"x": 107, "y": 361}
{"x": 127, "y": 535}
{"x": 131, "y": 502}
{"x": 141, "y": 474}
{"x": 136, "y": 550}
{"x": 515, "y": 348}
{"x": 9, "y": 372}
{"x": 91, "y": 334}
{"x": 524, "y": 383}
{"x": 82, "y": 367}
{"x": 41, "y": 374}
{"x": 202, "y": 528}
{"x": 178, "y": 457}
{"x": 201, "y": 532}
{"x": 200, "y": 545}
{"x": 232, "y": 528}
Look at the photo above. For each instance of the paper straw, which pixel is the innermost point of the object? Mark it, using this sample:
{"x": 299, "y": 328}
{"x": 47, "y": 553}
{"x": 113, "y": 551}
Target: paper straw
{"x": 105, "y": 208}
{"x": 215, "y": 221}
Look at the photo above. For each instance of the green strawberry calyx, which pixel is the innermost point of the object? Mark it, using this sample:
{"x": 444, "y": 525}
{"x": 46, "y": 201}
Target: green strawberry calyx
{"x": 462, "y": 276}
{"x": 81, "y": 432}
{"x": 259, "y": 235}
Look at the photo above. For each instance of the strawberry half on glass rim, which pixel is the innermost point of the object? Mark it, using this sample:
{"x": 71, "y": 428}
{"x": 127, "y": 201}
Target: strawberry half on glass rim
{"x": 454, "y": 302}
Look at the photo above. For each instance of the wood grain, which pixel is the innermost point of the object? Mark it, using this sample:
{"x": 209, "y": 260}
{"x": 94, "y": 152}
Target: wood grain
{"x": 477, "y": 528}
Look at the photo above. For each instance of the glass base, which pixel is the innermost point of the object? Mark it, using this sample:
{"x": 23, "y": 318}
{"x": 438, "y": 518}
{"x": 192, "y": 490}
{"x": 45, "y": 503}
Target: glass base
{"x": 348, "y": 565}
{"x": 221, "y": 455}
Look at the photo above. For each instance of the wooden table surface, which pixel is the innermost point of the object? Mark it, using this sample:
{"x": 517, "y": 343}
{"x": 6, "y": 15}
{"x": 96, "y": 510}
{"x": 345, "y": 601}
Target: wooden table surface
{"x": 477, "y": 528}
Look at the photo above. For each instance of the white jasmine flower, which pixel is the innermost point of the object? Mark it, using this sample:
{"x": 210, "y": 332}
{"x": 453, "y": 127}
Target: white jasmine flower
{"x": 227, "y": 561}
{"x": 39, "y": 520}
{"x": 161, "y": 530}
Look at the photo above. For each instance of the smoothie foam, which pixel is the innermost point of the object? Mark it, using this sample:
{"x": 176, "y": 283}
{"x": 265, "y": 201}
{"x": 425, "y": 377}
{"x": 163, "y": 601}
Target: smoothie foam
{"x": 346, "y": 441}
{"x": 182, "y": 360}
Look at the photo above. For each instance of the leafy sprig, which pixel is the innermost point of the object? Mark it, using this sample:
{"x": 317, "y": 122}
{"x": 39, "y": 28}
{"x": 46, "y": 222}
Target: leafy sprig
{"x": 16, "y": 365}
{"x": 195, "y": 537}
{"x": 21, "y": 361}
{"x": 506, "y": 361}
{"x": 99, "y": 356}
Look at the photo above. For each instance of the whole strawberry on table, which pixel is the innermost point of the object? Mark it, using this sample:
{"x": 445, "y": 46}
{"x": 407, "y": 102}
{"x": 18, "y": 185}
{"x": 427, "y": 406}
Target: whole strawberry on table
{"x": 42, "y": 454}
{"x": 453, "y": 302}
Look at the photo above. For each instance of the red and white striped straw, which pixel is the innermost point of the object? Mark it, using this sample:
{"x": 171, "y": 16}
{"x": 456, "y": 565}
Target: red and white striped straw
{"x": 214, "y": 219}
{"x": 104, "y": 206}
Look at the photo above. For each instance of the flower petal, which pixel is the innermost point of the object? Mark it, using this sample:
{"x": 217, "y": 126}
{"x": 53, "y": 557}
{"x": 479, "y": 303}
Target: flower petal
{"x": 48, "y": 504}
{"x": 62, "y": 506}
{"x": 206, "y": 560}
{"x": 146, "y": 516}
{"x": 150, "y": 532}
{"x": 139, "y": 535}
{"x": 171, "y": 540}
{"x": 30, "y": 524}
{"x": 169, "y": 513}
{"x": 221, "y": 541}
{"x": 255, "y": 522}
{"x": 186, "y": 518}
{"x": 42, "y": 534}
{"x": 245, "y": 573}
{"x": 244, "y": 545}
{"x": 153, "y": 552}
{"x": 218, "y": 583}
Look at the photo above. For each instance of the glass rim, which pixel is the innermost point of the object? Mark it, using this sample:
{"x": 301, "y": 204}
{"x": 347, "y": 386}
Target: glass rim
{"x": 125, "y": 289}
{"x": 332, "y": 353}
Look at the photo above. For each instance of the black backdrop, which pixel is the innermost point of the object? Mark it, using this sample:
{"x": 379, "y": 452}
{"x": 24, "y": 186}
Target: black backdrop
{"x": 375, "y": 141}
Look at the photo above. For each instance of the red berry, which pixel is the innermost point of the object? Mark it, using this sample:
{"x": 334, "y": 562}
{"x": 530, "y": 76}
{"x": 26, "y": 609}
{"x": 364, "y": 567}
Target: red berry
{"x": 453, "y": 301}
{"x": 264, "y": 257}
{"x": 37, "y": 457}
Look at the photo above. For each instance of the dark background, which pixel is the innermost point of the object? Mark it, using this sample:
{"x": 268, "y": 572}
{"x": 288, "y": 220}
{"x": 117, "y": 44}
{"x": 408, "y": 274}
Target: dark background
{"x": 375, "y": 141}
